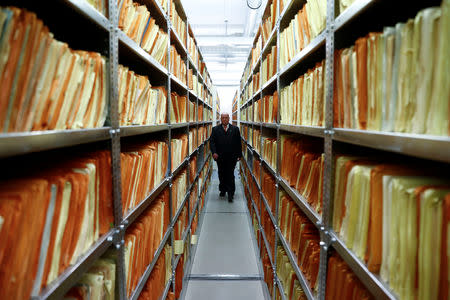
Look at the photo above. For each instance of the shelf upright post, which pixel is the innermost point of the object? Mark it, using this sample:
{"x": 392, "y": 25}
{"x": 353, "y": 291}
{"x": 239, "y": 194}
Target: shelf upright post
{"x": 328, "y": 149}
{"x": 188, "y": 119}
{"x": 169, "y": 163}
{"x": 278, "y": 163}
{"x": 115, "y": 148}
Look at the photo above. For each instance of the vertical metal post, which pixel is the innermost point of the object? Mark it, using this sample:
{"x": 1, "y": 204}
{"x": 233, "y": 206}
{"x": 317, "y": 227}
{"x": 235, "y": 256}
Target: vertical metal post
{"x": 169, "y": 103}
{"x": 328, "y": 145}
{"x": 115, "y": 149}
{"x": 278, "y": 165}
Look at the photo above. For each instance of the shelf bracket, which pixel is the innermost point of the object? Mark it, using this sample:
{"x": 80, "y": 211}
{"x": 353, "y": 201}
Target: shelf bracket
{"x": 114, "y": 132}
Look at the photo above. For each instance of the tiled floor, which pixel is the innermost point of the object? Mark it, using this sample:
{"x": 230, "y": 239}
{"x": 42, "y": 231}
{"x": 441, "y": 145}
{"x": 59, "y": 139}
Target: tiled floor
{"x": 225, "y": 247}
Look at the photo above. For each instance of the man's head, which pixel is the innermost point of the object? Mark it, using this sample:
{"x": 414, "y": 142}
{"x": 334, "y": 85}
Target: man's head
{"x": 225, "y": 119}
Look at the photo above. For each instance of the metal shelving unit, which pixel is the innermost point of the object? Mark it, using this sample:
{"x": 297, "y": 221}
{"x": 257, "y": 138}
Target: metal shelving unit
{"x": 312, "y": 47}
{"x": 306, "y": 130}
{"x": 419, "y": 145}
{"x": 269, "y": 83}
{"x": 141, "y": 129}
{"x": 119, "y": 45}
{"x": 12, "y": 144}
{"x": 301, "y": 202}
{"x": 361, "y": 14}
{"x": 144, "y": 56}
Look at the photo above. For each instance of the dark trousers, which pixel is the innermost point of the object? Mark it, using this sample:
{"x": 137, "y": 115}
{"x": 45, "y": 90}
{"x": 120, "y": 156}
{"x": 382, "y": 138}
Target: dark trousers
{"x": 226, "y": 174}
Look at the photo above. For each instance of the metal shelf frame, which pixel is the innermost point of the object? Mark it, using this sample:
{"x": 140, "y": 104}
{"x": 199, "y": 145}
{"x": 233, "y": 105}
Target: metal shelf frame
{"x": 281, "y": 289}
{"x": 21, "y": 143}
{"x": 435, "y": 148}
{"x": 301, "y": 202}
{"x": 306, "y": 130}
{"x": 419, "y": 145}
{"x": 12, "y": 144}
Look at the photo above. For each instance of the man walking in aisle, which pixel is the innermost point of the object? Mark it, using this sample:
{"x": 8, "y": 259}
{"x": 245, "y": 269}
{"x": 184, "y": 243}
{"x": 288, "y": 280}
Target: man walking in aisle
{"x": 225, "y": 143}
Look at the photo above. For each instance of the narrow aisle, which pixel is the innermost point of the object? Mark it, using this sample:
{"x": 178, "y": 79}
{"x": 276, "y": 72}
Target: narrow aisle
{"x": 226, "y": 265}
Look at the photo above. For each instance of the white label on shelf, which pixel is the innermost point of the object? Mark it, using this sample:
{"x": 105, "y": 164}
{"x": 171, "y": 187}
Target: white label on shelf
{"x": 179, "y": 247}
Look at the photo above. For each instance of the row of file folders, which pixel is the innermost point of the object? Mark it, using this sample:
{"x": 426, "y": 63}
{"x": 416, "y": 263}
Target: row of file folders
{"x": 376, "y": 84}
{"x": 68, "y": 89}
{"x": 303, "y": 239}
{"x": 65, "y": 206}
{"x": 393, "y": 216}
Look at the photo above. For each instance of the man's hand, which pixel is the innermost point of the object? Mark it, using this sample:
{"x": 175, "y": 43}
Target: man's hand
{"x": 215, "y": 156}
{"x": 238, "y": 158}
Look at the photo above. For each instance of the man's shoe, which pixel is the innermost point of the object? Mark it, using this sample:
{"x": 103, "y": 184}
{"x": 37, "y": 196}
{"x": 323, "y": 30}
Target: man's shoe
{"x": 230, "y": 198}
{"x": 222, "y": 194}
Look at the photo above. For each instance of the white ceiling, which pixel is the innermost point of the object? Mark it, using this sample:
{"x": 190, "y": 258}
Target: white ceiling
{"x": 224, "y": 30}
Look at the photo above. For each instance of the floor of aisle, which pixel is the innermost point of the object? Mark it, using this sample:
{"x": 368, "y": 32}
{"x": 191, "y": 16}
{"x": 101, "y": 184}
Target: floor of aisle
{"x": 225, "y": 265}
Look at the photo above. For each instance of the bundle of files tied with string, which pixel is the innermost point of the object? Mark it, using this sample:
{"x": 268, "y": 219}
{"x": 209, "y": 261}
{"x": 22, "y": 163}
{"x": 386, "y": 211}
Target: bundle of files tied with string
{"x": 54, "y": 86}
{"x": 397, "y": 79}
{"x": 136, "y": 22}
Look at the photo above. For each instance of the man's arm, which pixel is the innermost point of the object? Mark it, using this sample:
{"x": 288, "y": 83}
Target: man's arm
{"x": 212, "y": 144}
{"x": 238, "y": 144}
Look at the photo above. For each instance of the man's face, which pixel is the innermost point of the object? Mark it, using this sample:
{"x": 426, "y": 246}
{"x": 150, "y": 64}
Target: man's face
{"x": 225, "y": 119}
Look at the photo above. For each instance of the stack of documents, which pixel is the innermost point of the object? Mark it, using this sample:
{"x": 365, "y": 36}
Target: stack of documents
{"x": 135, "y": 21}
{"x": 270, "y": 108}
{"x": 269, "y": 66}
{"x": 342, "y": 283}
{"x": 177, "y": 22}
{"x": 159, "y": 277}
{"x": 303, "y": 100}
{"x": 178, "y": 108}
{"x": 51, "y": 217}
{"x": 395, "y": 218}
{"x": 179, "y": 188}
{"x": 45, "y": 84}
{"x": 143, "y": 167}
{"x": 143, "y": 238}
{"x": 302, "y": 236}
{"x": 287, "y": 277}
{"x": 307, "y": 24}
{"x": 177, "y": 64}
{"x": 302, "y": 165}
{"x": 396, "y": 80}
{"x": 139, "y": 102}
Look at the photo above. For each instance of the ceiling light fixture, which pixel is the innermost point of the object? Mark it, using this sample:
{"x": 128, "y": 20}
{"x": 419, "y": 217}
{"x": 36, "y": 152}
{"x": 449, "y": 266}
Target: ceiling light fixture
{"x": 254, "y": 4}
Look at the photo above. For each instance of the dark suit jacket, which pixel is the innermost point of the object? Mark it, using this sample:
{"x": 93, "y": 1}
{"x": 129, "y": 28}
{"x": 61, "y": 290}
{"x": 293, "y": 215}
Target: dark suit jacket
{"x": 226, "y": 144}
